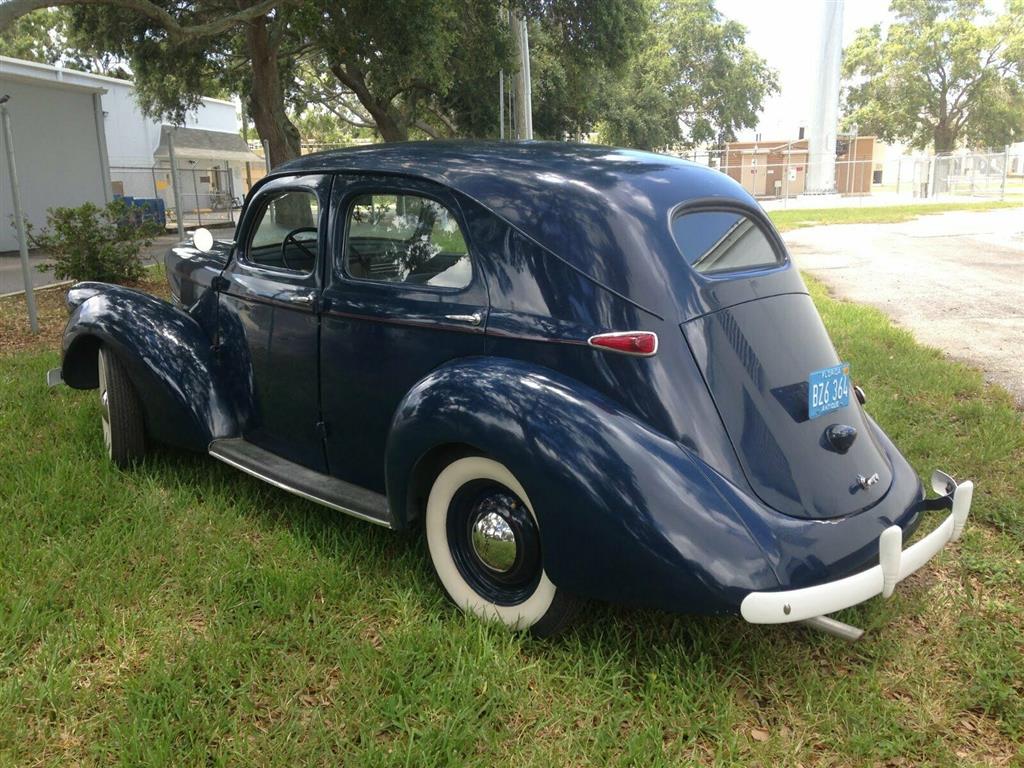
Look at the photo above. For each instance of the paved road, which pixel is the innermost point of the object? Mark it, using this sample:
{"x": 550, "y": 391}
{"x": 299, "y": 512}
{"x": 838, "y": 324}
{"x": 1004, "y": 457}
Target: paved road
{"x": 10, "y": 273}
{"x": 10, "y": 265}
{"x": 956, "y": 280}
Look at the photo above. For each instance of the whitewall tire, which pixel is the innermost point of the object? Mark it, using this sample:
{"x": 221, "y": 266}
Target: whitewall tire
{"x": 484, "y": 543}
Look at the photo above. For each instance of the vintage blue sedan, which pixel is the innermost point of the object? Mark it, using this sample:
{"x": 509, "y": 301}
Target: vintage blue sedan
{"x": 583, "y": 372}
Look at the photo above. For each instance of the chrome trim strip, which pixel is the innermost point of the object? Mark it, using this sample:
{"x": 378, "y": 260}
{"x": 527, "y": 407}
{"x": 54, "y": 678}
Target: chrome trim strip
{"x": 500, "y": 334}
{"x": 278, "y": 484}
{"x": 429, "y": 323}
{"x": 285, "y": 302}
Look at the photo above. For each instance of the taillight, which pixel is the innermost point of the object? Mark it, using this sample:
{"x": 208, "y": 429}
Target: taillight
{"x": 640, "y": 343}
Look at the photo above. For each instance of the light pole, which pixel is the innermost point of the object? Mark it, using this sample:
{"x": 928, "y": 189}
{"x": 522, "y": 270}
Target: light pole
{"x": 19, "y": 218}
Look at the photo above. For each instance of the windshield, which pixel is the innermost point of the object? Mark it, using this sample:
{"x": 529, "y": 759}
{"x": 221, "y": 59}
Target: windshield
{"x": 722, "y": 241}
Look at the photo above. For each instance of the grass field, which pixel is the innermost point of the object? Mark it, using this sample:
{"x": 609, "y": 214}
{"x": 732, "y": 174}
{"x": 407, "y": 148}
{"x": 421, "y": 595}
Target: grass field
{"x": 786, "y": 220}
{"x": 186, "y": 614}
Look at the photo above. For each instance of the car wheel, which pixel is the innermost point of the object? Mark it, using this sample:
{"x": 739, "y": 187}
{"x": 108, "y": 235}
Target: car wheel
{"x": 485, "y": 545}
{"x": 124, "y": 434}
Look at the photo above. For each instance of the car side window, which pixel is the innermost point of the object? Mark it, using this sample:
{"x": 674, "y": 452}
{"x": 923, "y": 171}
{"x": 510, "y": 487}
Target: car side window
{"x": 723, "y": 241}
{"x": 286, "y": 234}
{"x": 405, "y": 238}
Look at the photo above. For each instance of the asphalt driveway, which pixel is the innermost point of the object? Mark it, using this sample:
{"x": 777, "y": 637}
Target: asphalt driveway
{"x": 955, "y": 280}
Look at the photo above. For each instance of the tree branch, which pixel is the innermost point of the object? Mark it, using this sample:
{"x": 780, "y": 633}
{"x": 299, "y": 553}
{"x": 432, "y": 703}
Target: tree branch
{"x": 427, "y": 128}
{"x": 12, "y": 9}
{"x": 445, "y": 120}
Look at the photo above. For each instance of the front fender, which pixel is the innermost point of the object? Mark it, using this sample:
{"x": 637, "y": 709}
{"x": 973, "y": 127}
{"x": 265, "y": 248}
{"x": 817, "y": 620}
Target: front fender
{"x": 168, "y": 356}
{"x": 626, "y": 514}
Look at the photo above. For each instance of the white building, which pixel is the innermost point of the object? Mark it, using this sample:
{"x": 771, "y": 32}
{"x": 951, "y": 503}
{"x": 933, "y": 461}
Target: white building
{"x": 210, "y": 152}
{"x": 59, "y": 144}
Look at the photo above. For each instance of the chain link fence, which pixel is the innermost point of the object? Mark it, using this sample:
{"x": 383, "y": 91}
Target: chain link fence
{"x": 208, "y": 195}
{"x": 779, "y": 174}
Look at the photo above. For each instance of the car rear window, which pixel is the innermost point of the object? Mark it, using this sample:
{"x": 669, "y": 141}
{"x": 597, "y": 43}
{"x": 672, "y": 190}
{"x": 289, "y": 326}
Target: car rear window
{"x": 723, "y": 241}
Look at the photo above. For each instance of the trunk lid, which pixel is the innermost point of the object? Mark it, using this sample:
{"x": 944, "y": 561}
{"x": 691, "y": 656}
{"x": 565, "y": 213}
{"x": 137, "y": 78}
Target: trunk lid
{"x": 756, "y": 358}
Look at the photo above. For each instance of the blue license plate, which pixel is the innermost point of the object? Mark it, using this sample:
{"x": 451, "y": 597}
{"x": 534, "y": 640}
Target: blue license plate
{"x": 828, "y": 390}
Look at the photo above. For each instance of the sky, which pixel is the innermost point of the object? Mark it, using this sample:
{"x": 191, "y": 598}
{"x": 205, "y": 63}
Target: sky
{"x": 785, "y": 33}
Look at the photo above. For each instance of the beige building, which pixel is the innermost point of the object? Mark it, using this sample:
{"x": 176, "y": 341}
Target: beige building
{"x": 779, "y": 168}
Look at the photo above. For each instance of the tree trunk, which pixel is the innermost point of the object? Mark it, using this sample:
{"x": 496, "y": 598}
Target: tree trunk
{"x": 390, "y": 124}
{"x": 944, "y": 138}
{"x": 266, "y": 97}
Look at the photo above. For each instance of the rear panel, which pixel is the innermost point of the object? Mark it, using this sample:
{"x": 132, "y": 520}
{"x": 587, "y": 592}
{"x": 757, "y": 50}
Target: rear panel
{"x": 756, "y": 358}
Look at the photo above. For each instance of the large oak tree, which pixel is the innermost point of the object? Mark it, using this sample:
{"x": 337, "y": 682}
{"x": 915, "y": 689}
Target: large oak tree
{"x": 945, "y": 73}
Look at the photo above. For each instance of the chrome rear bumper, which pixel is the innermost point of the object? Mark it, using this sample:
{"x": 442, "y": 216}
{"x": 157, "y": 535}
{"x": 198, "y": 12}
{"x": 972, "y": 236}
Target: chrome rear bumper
{"x": 894, "y": 565}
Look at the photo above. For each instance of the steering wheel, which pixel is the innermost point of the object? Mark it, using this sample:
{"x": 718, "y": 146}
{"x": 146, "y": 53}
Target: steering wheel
{"x": 290, "y": 237}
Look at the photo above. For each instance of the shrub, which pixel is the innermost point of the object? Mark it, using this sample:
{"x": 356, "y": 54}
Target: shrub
{"x": 93, "y": 243}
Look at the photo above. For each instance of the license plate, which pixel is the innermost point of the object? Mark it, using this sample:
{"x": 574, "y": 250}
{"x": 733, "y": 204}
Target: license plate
{"x": 828, "y": 390}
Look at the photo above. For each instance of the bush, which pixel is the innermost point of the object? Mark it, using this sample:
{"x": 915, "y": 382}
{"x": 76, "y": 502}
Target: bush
{"x": 93, "y": 243}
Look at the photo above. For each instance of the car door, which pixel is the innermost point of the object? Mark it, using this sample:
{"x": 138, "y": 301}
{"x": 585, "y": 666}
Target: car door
{"x": 269, "y": 316}
{"x": 404, "y": 295}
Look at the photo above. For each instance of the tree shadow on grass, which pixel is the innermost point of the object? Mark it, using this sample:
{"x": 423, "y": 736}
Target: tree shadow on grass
{"x": 652, "y": 640}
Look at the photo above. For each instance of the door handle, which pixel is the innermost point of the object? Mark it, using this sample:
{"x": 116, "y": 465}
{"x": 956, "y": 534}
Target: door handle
{"x": 474, "y": 319}
{"x": 302, "y": 299}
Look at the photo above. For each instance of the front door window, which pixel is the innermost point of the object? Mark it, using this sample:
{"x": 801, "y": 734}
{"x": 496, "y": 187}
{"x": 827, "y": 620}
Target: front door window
{"x": 285, "y": 235}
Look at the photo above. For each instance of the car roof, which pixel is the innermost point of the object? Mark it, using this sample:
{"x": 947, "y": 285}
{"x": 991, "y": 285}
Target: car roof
{"x": 603, "y": 210}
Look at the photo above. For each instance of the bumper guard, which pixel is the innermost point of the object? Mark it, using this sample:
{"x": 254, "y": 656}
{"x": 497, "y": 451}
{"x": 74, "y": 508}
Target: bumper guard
{"x": 811, "y": 604}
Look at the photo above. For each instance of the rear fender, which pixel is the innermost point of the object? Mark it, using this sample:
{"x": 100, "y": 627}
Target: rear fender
{"x": 167, "y": 354}
{"x": 626, "y": 514}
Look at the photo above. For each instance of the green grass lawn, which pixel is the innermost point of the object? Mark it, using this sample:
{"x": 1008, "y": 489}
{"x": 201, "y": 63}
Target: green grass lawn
{"x": 184, "y": 613}
{"x": 786, "y": 220}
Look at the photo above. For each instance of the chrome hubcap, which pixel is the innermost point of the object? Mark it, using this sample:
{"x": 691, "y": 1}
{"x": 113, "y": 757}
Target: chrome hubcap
{"x": 494, "y": 542}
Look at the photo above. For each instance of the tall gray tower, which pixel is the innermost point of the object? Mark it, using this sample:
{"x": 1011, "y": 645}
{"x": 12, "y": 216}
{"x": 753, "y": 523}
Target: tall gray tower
{"x": 824, "y": 123}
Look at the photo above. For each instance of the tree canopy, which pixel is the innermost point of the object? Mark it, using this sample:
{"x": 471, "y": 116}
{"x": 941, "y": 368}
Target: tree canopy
{"x": 46, "y": 36}
{"x": 691, "y": 81}
{"x": 945, "y": 73}
{"x": 644, "y": 73}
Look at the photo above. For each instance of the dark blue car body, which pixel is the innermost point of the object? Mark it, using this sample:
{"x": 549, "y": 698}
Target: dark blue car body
{"x": 683, "y": 480}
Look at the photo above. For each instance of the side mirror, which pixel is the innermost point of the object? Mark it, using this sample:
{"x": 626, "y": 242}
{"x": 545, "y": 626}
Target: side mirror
{"x": 202, "y": 239}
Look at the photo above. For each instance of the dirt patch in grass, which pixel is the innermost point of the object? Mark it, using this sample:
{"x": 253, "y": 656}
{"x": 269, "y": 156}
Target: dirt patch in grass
{"x": 17, "y": 336}
{"x": 15, "y": 333}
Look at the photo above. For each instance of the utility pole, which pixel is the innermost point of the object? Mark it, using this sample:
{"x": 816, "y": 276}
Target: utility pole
{"x": 523, "y": 87}
{"x": 501, "y": 105}
{"x": 245, "y": 138}
{"x": 19, "y": 218}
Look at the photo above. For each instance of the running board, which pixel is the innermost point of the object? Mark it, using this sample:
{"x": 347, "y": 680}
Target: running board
{"x": 304, "y": 482}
